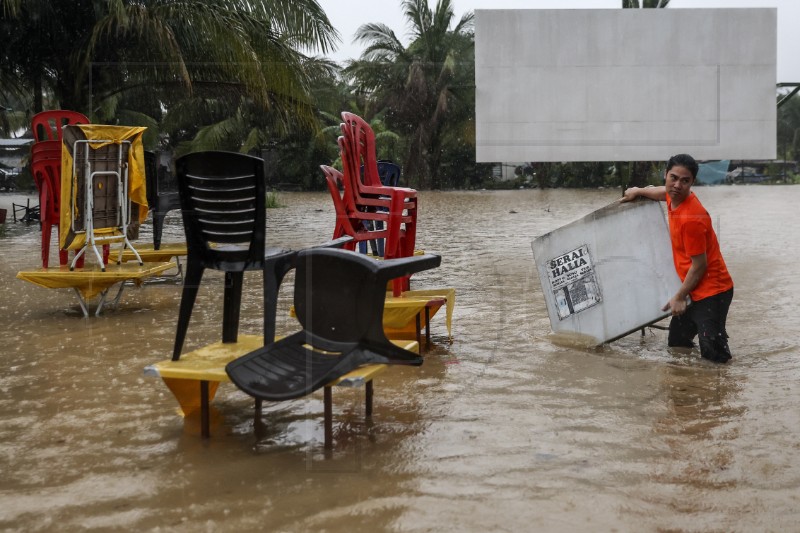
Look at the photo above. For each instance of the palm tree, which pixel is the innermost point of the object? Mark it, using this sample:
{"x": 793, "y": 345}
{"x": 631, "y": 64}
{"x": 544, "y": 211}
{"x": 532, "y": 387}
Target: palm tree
{"x": 788, "y": 134}
{"x": 645, "y": 4}
{"x": 93, "y": 56}
{"x": 427, "y": 88}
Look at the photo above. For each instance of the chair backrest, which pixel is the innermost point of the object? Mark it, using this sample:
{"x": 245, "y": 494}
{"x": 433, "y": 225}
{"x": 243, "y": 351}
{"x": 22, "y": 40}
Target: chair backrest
{"x": 223, "y": 198}
{"x": 159, "y": 180}
{"x": 46, "y": 149}
{"x": 361, "y": 139}
{"x": 45, "y": 176}
{"x": 46, "y": 170}
{"x": 339, "y": 295}
{"x": 336, "y": 186}
{"x": 389, "y": 172}
{"x": 47, "y": 125}
{"x": 349, "y": 175}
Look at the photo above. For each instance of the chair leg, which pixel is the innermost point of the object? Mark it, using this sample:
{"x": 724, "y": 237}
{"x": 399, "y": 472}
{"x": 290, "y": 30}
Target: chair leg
{"x": 231, "y": 305}
{"x": 392, "y": 245}
{"x": 191, "y": 284}
{"x": 275, "y": 269}
{"x": 158, "y": 228}
{"x": 79, "y": 263}
{"x": 411, "y": 232}
{"x": 63, "y": 255}
{"x": 418, "y": 329}
{"x": 270, "y": 305}
{"x": 427, "y": 326}
{"x": 258, "y": 423}
{"x": 381, "y": 242}
{"x": 328, "y": 417}
{"x": 368, "y": 399}
{"x": 46, "y": 231}
{"x": 205, "y": 414}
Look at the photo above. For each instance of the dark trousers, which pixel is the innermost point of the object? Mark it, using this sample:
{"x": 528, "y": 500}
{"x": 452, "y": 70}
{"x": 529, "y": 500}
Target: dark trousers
{"x": 706, "y": 320}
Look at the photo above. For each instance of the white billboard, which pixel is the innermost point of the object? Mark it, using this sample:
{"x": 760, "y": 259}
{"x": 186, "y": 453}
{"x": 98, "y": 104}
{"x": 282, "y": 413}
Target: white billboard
{"x": 625, "y": 84}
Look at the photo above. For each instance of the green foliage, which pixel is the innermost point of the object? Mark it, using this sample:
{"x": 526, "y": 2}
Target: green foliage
{"x": 223, "y": 74}
{"x": 648, "y": 4}
{"x": 147, "y": 56}
{"x": 273, "y": 201}
{"x": 425, "y": 90}
{"x": 789, "y": 129}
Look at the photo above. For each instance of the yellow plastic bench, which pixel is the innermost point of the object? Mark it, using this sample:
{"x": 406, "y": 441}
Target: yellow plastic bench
{"x": 91, "y": 281}
{"x": 195, "y": 377}
{"x": 166, "y": 252}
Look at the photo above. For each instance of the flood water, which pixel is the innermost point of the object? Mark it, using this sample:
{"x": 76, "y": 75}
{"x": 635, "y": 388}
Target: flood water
{"x": 502, "y": 430}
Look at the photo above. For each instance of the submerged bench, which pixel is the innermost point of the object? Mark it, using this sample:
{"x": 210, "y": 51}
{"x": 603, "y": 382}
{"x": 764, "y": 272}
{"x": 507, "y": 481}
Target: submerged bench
{"x": 166, "y": 252}
{"x": 195, "y": 377}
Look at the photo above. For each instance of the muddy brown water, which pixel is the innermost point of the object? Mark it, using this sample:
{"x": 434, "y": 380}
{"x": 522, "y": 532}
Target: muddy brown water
{"x": 502, "y": 430}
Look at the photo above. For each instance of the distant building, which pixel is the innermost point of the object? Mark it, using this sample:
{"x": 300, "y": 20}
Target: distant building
{"x": 760, "y": 170}
{"x": 14, "y": 152}
{"x": 13, "y": 157}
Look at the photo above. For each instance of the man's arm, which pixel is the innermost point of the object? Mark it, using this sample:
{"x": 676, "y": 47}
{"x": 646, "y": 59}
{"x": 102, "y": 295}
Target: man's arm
{"x": 654, "y": 193}
{"x": 677, "y": 304}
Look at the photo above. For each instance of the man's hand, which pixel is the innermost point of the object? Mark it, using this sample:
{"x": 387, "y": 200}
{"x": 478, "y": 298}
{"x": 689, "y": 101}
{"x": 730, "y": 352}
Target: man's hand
{"x": 650, "y": 192}
{"x": 630, "y": 194}
{"x": 677, "y": 306}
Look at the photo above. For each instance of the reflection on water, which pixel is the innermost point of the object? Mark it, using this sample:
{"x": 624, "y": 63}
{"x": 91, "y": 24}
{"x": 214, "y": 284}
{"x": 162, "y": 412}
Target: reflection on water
{"x": 505, "y": 429}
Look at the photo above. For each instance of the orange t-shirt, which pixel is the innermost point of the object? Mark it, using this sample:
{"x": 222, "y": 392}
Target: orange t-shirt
{"x": 691, "y": 233}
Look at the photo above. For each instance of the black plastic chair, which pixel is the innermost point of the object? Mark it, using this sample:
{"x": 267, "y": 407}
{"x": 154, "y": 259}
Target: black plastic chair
{"x": 389, "y": 172}
{"x": 162, "y": 196}
{"x": 338, "y": 299}
{"x": 223, "y": 198}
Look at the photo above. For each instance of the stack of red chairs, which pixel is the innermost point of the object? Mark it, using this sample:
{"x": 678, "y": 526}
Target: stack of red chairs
{"x": 46, "y": 170}
{"x": 366, "y": 199}
{"x": 349, "y": 221}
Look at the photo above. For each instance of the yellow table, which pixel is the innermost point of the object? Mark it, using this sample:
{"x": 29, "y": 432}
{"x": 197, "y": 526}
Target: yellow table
{"x": 91, "y": 281}
{"x": 195, "y": 377}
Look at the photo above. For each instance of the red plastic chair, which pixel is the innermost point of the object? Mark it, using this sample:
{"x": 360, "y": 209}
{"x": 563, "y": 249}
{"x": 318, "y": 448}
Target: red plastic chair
{"x": 46, "y": 169}
{"x": 399, "y": 216}
{"x": 47, "y": 125}
{"x": 359, "y": 152}
{"x": 349, "y": 222}
{"x": 369, "y": 188}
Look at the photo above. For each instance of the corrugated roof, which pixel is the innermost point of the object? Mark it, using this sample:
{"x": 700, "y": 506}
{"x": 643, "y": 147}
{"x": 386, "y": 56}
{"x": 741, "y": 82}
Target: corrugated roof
{"x": 15, "y": 143}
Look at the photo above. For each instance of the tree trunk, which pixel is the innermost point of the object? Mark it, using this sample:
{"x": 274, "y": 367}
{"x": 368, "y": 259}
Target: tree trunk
{"x": 638, "y": 174}
{"x": 37, "y": 93}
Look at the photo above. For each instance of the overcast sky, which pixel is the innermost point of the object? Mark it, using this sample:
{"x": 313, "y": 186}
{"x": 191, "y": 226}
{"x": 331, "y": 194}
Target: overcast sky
{"x": 348, "y": 15}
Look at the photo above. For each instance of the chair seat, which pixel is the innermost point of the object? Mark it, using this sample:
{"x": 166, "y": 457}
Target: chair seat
{"x": 289, "y": 369}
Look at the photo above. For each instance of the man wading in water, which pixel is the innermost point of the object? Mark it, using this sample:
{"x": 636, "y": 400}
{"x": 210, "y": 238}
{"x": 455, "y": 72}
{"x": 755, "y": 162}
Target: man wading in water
{"x": 698, "y": 262}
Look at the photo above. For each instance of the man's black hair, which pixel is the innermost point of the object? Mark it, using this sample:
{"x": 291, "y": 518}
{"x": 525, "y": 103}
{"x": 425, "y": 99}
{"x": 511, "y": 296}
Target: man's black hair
{"x": 686, "y": 161}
